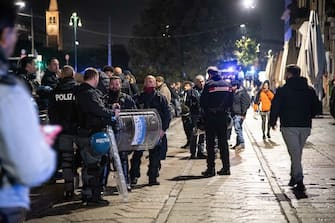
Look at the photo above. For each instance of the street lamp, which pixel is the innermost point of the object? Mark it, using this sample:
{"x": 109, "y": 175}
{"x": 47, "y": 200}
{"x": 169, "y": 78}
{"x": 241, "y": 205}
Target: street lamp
{"x": 249, "y": 4}
{"x": 75, "y": 21}
{"x": 243, "y": 28}
{"x": 22, "y": 5}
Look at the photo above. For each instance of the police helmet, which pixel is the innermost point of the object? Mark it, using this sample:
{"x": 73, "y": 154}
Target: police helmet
{"x": 100, "y": 143}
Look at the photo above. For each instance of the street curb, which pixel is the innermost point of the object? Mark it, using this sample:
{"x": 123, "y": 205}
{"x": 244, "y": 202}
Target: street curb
{"x": 165, "y": 211}
{"x": 285, "y": 204}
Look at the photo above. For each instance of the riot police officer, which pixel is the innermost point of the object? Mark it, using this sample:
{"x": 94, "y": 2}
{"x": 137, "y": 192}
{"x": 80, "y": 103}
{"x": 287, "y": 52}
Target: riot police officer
{"x": 62, "y": 111}
{"x": 93, "y": 117}
{"x": 115, "y": 96}
{"x": 216, "y": 99}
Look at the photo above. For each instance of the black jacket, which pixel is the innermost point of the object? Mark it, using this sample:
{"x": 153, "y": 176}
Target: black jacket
{"x": 192, "y": 101}
{"x": 92, "y": 112}
{"x": 62, "y": 106}
{"x": 125, "y": 86}
{"x": 217, "y": 96}
{"x": 103, "y": 84}
{"x": 241, "y": 102}
{"x": 157, "y": 101}
{"x": 295, "y": 104}
{"x": 28, "y": 79}
{"x": 49, "y": 79}
{"x": 125, "y": 101}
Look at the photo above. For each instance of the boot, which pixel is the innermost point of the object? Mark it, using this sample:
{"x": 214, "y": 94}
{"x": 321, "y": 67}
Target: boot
{"x": 153, "y": 181}
{"x": 223, "y": 172}
{"x": 209, "y": 172}
{"x": 186, "y": 145}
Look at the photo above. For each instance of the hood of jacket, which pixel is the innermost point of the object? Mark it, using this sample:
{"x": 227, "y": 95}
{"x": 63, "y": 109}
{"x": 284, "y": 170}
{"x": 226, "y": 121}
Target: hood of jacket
{"x": 297, "y": 83}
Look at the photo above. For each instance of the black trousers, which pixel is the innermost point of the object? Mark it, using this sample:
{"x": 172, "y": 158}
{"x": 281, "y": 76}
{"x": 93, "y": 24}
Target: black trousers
{"x": 188, "y": 126}
{"x": 67, "y": 164}
{"x": 154, "y": 163}
{"x": 216, "y": 126}
{"x": 92, "y": 171}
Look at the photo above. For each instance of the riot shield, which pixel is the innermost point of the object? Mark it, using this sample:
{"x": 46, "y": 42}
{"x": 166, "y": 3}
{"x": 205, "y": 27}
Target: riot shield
{"x": 120, "y": 179}
{"x": 138, "y": 129}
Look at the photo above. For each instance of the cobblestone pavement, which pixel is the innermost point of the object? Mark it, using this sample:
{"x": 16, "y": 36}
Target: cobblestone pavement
{"x": 255, "y": 192}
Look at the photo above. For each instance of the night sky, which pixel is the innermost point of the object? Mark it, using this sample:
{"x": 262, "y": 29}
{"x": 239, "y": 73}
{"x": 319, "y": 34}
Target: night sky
{"x": 125, "y": 13}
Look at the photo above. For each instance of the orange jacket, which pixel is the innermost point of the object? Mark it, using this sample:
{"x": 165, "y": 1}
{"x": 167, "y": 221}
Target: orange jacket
{"x": 263, "y": 97}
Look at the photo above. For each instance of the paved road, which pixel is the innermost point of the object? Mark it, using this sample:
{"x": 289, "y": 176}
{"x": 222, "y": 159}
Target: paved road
{"x": 255, "y": 192}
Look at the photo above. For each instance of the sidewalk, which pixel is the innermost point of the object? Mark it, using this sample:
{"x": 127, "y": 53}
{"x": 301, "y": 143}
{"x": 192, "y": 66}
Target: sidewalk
{"x": 318, "y": 204}
{"x": 255, "y": 192}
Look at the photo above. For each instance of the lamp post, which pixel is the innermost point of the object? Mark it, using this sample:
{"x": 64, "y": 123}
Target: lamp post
{"x": 75, "y": 21}
{"x": 249, "y": 4}
{"x": 21, "y": 5}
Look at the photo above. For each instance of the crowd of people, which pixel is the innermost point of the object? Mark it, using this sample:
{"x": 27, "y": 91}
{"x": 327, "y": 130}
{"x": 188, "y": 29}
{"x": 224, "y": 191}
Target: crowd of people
{"x": 85, "y": 105}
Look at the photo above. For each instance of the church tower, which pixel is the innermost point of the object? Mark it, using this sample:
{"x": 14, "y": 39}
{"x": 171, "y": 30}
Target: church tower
{"x": 53, "y": 28}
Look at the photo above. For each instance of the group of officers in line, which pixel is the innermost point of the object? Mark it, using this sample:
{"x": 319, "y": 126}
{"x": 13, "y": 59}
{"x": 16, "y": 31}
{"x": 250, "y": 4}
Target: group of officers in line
{"x": 83, "y": 110}
{"x": 88, "y": 108}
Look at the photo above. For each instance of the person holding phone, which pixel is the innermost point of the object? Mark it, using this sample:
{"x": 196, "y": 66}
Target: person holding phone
{"x": 26, "y": 159}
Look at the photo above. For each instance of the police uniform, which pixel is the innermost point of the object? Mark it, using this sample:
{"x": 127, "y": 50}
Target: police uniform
{"x": 159, "y": 102}
{"x": 93, "y": 117}
{"x": 62, "y": 111}
{"x": 215, "y": 101}
{"x": 126, "y": 102}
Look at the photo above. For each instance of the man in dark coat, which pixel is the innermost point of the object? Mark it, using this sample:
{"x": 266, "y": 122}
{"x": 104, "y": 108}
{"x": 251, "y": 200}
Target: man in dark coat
{"x": 150, "y": 98}
{"x": 295, "y": 104}
{"x": 241, "y": 103}
{"x": 115, "y": 96}
{"x": 51, "y": 74}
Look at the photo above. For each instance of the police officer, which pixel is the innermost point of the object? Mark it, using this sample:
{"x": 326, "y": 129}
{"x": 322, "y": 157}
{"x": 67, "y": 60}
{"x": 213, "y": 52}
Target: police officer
{"x": 115, "y": 96}
{"x": 215, "y": 100}
{"x": 62, "y": 111}
{"x": 93, "y": 117}
{"x": 151, "y": 98}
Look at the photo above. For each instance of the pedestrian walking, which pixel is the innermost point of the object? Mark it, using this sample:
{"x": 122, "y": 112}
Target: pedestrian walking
{"x": 216, "y": 100}
{"x": 262, "y": 104}
{"x": 295, "y": 104}
{"x": 241, "y": 103}
{"x": 26, "y": 159}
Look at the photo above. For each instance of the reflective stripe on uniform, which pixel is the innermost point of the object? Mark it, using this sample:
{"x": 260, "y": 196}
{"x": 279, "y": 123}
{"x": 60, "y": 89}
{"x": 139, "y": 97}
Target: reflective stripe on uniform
{"x": 219, "y": 89}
